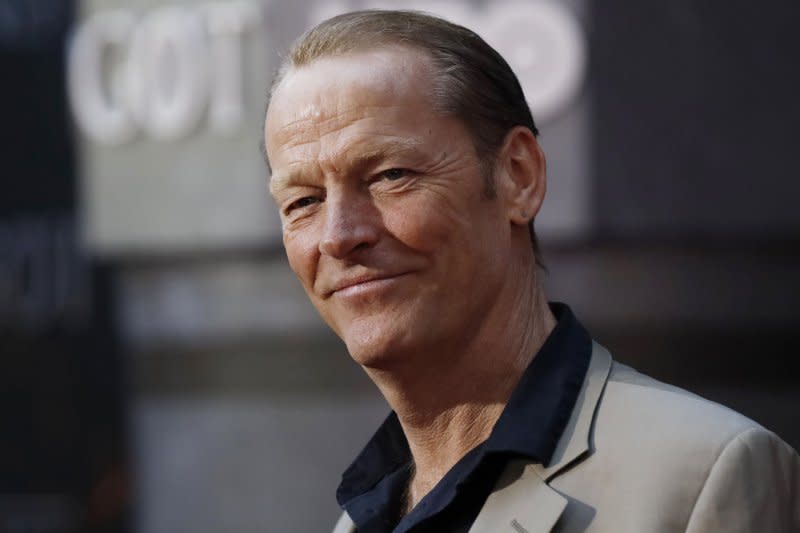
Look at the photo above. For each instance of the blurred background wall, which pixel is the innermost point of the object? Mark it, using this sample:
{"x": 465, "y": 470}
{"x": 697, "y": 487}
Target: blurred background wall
{"x": 160, "y": 369}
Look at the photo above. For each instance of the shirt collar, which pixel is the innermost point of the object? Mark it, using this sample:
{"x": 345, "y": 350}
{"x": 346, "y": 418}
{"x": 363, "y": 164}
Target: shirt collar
{"x": 385, "y": 453}
{"x": 540, "y": 406}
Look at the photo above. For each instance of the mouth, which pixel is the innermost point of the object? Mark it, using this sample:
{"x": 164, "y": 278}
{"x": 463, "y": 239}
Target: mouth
{"x": 362, "y": 284}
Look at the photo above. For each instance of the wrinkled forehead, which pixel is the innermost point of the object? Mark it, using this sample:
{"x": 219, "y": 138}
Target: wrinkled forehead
{"x": 333, "y": 87}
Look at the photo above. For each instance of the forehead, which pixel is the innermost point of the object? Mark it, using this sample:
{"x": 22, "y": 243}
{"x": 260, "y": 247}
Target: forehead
{"x": 381, "y": 89}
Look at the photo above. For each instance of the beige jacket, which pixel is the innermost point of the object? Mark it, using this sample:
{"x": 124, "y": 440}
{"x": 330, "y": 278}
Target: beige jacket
{"x": 641, "y": 456}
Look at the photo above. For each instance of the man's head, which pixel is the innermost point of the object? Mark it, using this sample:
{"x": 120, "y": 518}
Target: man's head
{"x": 471, "y": 80}
{"x": 383, "y": 197}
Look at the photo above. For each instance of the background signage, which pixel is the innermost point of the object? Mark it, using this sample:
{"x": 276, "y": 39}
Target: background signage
{"x": 169, "y": 99}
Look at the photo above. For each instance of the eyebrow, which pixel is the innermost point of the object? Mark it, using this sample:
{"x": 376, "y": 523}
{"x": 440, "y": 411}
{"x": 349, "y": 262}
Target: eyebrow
{"x": 366, "y": 159}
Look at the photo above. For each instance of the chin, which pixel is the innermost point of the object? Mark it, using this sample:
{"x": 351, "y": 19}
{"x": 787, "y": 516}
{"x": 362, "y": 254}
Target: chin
{"x": 373, "y": 348}
{"x": 377, "y": 356}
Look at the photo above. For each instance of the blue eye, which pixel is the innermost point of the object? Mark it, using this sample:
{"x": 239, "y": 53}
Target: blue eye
{"x": 394, "y": 174}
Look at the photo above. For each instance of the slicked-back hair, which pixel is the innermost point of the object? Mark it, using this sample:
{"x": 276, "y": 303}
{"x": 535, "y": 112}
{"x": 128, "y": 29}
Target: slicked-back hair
{"x": 471, "y": 80}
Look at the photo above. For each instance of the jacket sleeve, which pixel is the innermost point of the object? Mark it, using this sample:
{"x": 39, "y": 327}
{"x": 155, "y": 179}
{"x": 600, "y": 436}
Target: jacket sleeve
{"x": 753, "y": 486}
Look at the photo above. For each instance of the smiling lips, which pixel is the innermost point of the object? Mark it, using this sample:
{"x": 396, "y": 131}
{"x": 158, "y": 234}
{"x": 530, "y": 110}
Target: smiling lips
{"x": 360, "y": 284}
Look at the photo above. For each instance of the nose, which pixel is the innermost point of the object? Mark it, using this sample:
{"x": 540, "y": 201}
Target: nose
{"x": 351, "y": 224}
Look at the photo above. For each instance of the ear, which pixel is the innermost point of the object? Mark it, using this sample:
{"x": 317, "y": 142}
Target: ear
{"x": 520, "y": 176}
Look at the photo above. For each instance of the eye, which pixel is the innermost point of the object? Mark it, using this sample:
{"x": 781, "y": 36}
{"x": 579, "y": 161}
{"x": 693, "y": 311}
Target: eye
{"x": 300, "y": 203}
{"x": 393, "y": 174}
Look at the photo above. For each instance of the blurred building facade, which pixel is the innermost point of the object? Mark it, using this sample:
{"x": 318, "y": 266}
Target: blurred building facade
{"x": 670, "y": 227}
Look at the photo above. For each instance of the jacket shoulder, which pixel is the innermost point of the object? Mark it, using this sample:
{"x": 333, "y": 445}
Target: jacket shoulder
{"x": 639, "y": 401}
{"x": 754, "y": 485}
{"x": 660, "y": 457}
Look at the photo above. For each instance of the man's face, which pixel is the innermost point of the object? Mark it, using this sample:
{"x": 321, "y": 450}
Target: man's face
{"x": 385, "y": 218}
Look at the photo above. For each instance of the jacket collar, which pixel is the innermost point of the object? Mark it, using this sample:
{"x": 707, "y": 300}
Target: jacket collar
{"x": 522, "y": 500}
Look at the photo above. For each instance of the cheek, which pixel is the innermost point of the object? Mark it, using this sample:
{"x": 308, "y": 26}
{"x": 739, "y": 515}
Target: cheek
{"x": 303, "y": 254}
{"x": 421, "y": 223}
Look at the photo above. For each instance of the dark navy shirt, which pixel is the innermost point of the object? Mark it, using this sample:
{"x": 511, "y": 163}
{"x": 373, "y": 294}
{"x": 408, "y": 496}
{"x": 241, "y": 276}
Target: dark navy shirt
{"x": 373, "y": 488}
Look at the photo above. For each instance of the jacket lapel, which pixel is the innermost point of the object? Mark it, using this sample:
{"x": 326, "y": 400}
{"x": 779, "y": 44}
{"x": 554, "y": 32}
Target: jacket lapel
{"x": 522, "y": 501}
{"x": 344, "y": 525}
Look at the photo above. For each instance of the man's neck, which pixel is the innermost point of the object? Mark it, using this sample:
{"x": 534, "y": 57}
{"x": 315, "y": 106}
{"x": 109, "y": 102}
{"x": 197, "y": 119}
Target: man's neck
{"x": 446, "y": 410}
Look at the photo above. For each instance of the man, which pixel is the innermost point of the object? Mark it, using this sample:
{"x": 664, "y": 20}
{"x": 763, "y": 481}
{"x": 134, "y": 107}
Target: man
{"x": 407, "y": 173}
